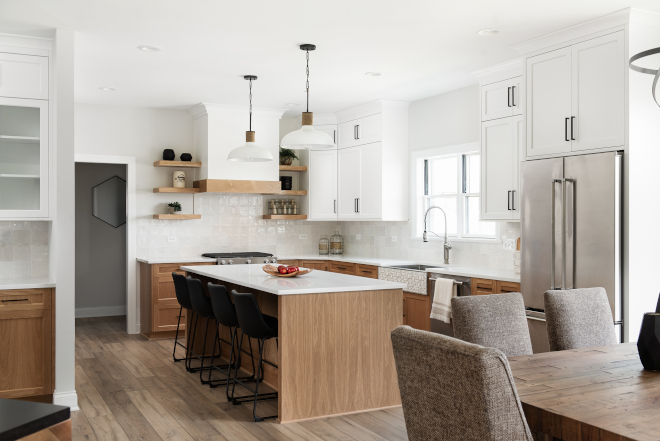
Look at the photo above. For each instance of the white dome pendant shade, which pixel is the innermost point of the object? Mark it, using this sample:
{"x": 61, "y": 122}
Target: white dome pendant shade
{"x": 307, "y": 137}
{"x": 250, "y": 152}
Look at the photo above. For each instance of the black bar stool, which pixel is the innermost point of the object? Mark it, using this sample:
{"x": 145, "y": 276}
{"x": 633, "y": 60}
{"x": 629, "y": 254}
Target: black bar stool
{"x": 202, "y": 308}
{"x": 225, "y": 314}
{"x": 183, "y": 297}
{"x": 261, "y": 327}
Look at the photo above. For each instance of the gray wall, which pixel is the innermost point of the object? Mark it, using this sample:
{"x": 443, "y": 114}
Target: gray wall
{"x": 100, "y": 249}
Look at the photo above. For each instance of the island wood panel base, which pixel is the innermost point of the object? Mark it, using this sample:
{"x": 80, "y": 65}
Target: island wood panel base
{"x": 336, "y": 353}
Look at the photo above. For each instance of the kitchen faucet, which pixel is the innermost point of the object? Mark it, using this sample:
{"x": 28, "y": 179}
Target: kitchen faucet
{"x": 425, "y": 236}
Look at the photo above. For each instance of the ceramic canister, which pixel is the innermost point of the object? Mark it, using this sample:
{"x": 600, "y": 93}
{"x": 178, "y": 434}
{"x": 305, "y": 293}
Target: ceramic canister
{"x": 179, "y": 179}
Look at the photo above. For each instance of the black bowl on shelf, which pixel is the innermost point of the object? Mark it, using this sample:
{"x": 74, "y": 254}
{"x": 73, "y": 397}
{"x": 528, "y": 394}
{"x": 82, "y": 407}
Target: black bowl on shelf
{"x": 168, "y": 155}
{"x": 186, "y": 157}
{"x": 287, "y": 182}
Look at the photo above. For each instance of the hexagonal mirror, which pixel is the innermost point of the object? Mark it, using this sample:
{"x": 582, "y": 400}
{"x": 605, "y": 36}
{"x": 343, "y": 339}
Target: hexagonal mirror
{"x": 109, "y": 201}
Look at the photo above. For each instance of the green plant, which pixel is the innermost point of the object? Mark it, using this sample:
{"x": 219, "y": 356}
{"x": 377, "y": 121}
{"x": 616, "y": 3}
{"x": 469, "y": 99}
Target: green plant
{"x": 287, "y": 153}
{"x": 175, "y": 205}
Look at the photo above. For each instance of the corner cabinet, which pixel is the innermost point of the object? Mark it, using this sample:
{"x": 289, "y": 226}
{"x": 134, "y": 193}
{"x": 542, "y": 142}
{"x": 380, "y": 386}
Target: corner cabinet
{"x": 320, "y": 182}
{"x": 576, "y": 97}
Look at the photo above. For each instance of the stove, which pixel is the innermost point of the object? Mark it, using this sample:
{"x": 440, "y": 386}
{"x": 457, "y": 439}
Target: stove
{"x": 241, "y": 258}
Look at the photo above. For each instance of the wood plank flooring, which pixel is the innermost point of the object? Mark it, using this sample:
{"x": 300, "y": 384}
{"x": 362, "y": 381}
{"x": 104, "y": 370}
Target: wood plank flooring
{"x": 130, "y": 389}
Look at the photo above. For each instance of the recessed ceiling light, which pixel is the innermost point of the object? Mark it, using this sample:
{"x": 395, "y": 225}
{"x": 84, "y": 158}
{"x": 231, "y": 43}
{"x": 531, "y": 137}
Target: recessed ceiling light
{"x": 292, "y": 104}
{"x": 488, "y": 32}
{"x": 108, "y": 89}
{"x": 145, "y": 48}
{"x": 373, "y": 74}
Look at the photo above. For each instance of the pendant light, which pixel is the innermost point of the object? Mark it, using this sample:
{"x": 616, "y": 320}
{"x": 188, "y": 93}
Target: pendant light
{"x": 250, "y": 152}
{"x": 307, "y": 137}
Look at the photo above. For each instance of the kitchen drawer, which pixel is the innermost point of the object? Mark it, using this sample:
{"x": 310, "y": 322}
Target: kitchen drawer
{"x": 343, "y": 268}
{"x": 367, "y": 271}
{"x": 166, "y": 270}
{"x": 504, "y": 287}
{"x": 288, "y": 262}
{"x": 24, "y": 299}
{"x": 165, "y": 317}
{"x": 319, "y": 265}
{"x": 483, "y": 287}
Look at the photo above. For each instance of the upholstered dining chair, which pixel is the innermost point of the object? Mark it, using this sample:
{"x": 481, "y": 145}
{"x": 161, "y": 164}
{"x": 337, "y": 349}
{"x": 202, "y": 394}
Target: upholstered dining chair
{"x": 494, "y": 321}
{"x": 578, "y": 318}
{"x": 452, "y": 390}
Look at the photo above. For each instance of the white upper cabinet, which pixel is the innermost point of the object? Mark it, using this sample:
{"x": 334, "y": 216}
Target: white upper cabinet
{"x": 320, "y": 181}
{"x": 549, "y": 103}
{"x": 348, "y": 182}
{"x": 501, "y": 99}
{"x": 575, "y": 97}
{"x": 23, "y": 76}
{"x": 370, "y": 198}
{"x": 499, "y": 164}
{"x": 330, "y": 129}
{"x": 598, "y": 93}
{"x": 360, "y": 131}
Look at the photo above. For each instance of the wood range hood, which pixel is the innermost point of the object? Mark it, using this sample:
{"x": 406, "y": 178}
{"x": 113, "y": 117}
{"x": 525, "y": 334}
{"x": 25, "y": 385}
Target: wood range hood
{"x": 237, "y": 186}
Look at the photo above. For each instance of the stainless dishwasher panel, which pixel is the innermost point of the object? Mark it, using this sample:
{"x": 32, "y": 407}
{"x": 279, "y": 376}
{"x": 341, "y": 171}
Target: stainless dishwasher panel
{"x": 538, "y": 331}
{"x": 464, "y": 289}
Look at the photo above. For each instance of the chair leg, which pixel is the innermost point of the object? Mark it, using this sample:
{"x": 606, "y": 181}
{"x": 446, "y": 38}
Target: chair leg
{"x": 256, "y": 389}
{"x": 191, "y": 342}
{"x": 176, "y": 337}
{"x": 231, "y": 359}
{"x": 233, "y": 387}
{"x": 215, "y": 340}
{"x": 201, "y": 366}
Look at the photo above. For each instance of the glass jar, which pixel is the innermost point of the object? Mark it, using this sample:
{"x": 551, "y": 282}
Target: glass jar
{"x": 336, "y": 243}
{"x": 324, "y": 245}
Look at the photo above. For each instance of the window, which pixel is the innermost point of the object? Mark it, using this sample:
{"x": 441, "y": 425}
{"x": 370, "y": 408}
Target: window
{"x": 451, "y": 182}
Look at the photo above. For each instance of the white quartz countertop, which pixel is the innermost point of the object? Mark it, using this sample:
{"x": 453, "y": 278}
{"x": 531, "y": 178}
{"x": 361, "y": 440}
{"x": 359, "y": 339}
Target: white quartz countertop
{"x": 252, "y": 276}
{"x": 480, "y": 273}
{"x": 171, "y": 260}
{"x": 28, "y": 283}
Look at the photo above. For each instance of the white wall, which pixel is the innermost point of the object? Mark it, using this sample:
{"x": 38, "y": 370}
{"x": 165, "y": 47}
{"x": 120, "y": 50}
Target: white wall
{"x": 142, "y": 133}
{"x": 100, "y": 248}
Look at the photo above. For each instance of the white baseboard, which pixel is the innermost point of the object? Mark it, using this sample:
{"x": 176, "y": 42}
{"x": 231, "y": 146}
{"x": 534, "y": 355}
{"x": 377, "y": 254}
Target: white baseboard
{"x": 69, "y": 399}
{"x": 105, "y": 311}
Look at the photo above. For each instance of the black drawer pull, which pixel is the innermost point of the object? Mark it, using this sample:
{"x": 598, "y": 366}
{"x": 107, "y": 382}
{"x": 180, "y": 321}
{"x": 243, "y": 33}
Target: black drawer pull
{"x": 16, "y": 300}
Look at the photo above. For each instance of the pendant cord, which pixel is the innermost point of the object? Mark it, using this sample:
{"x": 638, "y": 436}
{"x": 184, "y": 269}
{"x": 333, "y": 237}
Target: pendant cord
{"x": 250, "y": 104}
{"x": 307, "y": 81}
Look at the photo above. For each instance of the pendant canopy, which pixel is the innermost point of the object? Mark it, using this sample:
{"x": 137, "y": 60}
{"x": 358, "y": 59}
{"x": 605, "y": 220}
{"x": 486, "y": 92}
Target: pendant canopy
{"x": 250, "y": 152}
{"x": 307, "y": 137}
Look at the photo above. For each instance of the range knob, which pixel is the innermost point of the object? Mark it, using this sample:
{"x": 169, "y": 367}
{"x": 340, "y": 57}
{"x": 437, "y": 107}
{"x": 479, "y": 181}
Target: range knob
{"x": 266, "y": 260}
{"x": 222, "y": 262}
{"x": 231, "y": 262}
{"x": 274, "y": 260}
{"x": 248, "y": 261}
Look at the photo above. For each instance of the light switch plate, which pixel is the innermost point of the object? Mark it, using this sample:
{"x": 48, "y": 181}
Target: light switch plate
{"x": 394, "y": 238}
{"x": 171, "y": 239}
{"x": 358, "y": 236}
{"x": 303, "y": 236}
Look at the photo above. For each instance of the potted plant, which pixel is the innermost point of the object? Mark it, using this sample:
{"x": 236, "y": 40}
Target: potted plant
{"x": 174, "y": 207}
{"x": 287, "y": 156}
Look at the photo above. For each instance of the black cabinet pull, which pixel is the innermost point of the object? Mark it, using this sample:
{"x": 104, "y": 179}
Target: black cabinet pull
{"x": 566, "y": 129}
{"x": 508, "y": 200}
{"x": 508, "y": 97}
{"x": 16, "y": 300}
{"x": 358, "y": 131}
{"x": 513, "y": 96}
{"x": 572, "y": 119}
{"x": 513, "y": 200}
{"x": 334, "y": 136}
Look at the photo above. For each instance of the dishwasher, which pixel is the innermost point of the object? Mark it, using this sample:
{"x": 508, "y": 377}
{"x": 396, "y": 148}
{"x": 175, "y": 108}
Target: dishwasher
{"x": 463, "y": 289}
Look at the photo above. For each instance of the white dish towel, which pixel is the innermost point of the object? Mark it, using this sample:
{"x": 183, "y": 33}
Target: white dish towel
{"x": 445, "y": 289}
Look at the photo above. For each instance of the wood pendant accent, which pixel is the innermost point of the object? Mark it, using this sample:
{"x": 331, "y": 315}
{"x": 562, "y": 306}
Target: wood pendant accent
{"x": 308, "y": 118}
{"x": 249, "y": 136}
{"x": 232, "y": 186}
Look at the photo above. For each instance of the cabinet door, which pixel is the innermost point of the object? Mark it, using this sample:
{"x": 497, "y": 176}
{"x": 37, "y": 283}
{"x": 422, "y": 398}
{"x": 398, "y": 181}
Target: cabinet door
{"x": 24, "y": 163}
{"x": 417, "y": 311}
{"x": 322, "y": 185}
{"x": 370, "y": 198}
{"x": 348, "y": 161}
{"x": 330, "y": 129}
{"x": 598, "y": 93}
{"x": 166, "y": 316}
{"x": 26, "y": 348}
{"x": 549, "y": 103}
{"x": 319, "y": 265}
{"x": 347, "y": 135}
{"x": 368, "y": 129}
{"x": 496, "y": 100}
{"x": 517, "y": 95}
{"x": 23, "y": 76}
{"x": 497, "y": 159}
{"x": 518, "y": 146}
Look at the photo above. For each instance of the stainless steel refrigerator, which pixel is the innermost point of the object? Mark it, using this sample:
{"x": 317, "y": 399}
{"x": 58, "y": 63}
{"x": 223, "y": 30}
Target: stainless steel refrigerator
{"x": 571, "y": 231}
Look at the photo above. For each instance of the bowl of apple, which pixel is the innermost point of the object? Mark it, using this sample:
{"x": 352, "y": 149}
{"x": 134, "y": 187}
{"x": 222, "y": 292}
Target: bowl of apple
{"x": 285, "y": 271}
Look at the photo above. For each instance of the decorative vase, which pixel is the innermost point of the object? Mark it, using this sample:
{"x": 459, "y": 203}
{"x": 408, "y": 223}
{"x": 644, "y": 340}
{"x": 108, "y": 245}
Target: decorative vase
{"x": 168, "y": 155}
{"x": 286, "y": 182}
{"x": 179, "y": 179}
{"x": 186, "y": 157}
{"x": 286, "y": 160}
{"x": 170, "y": 210}
{"x": 648, "y": 343}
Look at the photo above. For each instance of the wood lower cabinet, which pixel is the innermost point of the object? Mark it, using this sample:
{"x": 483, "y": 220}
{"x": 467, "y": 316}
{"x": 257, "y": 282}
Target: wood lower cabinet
{"x": 487, "y": 286}
{"x": 159, "y": 308}
{"x": 367, "y": 271}
{"x": 343, "y": 268}
{"x": 27, "y": 362}
{"x": 417, "y": 311}
{"x": 288, "y": 262}
{"x": 320, "y": 265}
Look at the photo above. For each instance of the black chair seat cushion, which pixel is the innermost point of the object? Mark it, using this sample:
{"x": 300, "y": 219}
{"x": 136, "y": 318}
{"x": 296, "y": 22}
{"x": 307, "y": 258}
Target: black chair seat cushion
{"x": 181, "y": 290}
{"x": 252, "y": 322}
{"x": 200, "y": 303}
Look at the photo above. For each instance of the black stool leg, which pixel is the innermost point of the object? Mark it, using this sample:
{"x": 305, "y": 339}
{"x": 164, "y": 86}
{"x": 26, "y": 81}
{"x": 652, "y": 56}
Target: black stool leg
{"x": 191, "y": 342}
{"x": 176, "y": 338}
{"x": 259, "y": 378}
{"x": 201, "y": 367}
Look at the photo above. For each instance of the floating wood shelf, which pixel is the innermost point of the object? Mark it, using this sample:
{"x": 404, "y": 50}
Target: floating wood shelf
{"x": 292, "y": 192}
{"x": 176, "y": 190}
{"x": 295, "y": 168}
{"x": 183, "y": 164}
{"x": 177, "y": 216}
{"x": 285, "y": 216}
{"x": 236, "y": 186}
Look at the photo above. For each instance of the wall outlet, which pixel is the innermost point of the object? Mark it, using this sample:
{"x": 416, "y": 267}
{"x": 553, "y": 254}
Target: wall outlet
{"x": 303, "y": 236}
{"x": 358, "y": 236}
{"x": 394, "y": 238}
{"x": 171, "y": 239}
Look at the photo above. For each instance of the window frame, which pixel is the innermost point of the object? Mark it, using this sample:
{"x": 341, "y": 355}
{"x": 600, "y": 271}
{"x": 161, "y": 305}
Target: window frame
{"x": 420, "y": 204}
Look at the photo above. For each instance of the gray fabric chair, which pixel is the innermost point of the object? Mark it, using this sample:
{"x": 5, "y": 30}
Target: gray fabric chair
{"x": 456, "y": 391}
{"x": 494, "y": 321}
{"x": 578, "y": 318}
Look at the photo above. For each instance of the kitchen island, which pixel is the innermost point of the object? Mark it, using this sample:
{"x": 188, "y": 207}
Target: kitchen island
{"x": 335, "y": 353}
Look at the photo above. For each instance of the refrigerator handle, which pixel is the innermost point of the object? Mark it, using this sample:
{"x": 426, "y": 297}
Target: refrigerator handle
{"x": 552, "y": 246}
{"x": 563, "y": 234}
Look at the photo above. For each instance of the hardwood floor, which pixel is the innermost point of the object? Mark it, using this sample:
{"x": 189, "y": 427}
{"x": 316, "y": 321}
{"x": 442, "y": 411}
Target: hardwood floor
{"x": 130, "y": 389}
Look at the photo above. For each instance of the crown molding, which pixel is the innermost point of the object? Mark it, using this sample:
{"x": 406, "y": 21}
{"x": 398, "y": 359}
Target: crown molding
{"x": 202, "y": 109}
{"x": 26, "y": 41}
{"x": 495, "y": 69}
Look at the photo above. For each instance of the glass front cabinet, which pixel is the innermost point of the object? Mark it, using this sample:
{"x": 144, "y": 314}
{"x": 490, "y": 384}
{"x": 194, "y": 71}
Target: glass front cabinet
{"x": 24, "y": 161}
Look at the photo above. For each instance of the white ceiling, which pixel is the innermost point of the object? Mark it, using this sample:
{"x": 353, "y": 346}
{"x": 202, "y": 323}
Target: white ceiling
{"x": 423, "y": 47}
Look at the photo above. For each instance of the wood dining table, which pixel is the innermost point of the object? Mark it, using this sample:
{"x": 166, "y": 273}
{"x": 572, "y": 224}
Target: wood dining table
{"x": 592, "y": 394}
